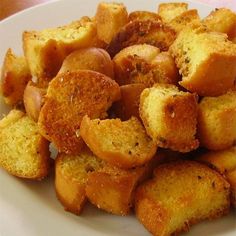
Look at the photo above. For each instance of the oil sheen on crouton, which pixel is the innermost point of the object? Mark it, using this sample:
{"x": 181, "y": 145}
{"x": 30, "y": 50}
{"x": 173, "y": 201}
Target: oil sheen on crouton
{"x": 207, "y": 60}
{"x": 170, "y": 117}
{"x": 23, "y": 151}
{"x": 179, "y": 195}
{"x": 123, "y": 144}
{"x": 143, "y": 15}
{"x": 217, "y": 121}
{"x": 69, "y": 97}
{"x": 71, "y": 173}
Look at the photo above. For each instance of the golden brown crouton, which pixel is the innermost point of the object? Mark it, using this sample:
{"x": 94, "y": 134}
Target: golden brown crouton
{"x": 180, "y": 195}
{"x": 69, "y": 97}
{"x": 95, "y": 59}
{"x": 217, "y": 121}
{"x": 224, "y": 161}
{"x": 184, "y": 19}
{"x": 110, "y": 17}
{"x": 231, "y": 177}
{"x": 168, "y": 11}
{"x": 222, "y": 20}
{"x": 207, "y": 61}
{"x": 122, "y": 144}
{"x": 71, "y": 176}
{"x": 142, "y": 31}
{"x": 23, "y": 151}
{"x": 143, "y": 15}
{"x": 128, "y": 105}
{"x": 45, "y": 50}
{"x": 34, "y": 99}
{"x": 143, "y": 63}
{"x": 170, "y": 117}
{"x": 14, "y": 77}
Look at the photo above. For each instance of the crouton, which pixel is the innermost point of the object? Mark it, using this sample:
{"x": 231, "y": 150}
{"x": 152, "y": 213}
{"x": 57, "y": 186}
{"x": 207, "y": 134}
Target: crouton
{"x": 23, "y": 151}
{"x": 170, "y": 117}
{"x": 110, "y": 17}
{"x": 122, "y": 144}
{"x": 69, "y": 97}
{"x": 71, "y": 174}
{"x": 217, "y": 121}
{"x": 142, "y": 31}
{"x": 45, "y": 50}
{"x": 231, "y": 177}
{"x": 34, "y": 99}
{"x": 184, "y": 19}
{"x": 224, "y": 161}
{"x": 180, "y": 195}
{"x": 143, "y": 63}
{"x": 168, "y": 11}
{"x": 222, "y": 20}
{"x": 95, "y": 59}
{"x": 207, "y": 61}
{"x": 128, "y": 105}
{"x": 14, "y": 77}
{"x": 143, "y": 15}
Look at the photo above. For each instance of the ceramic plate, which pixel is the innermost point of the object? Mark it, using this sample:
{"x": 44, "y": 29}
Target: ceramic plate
{"x": 30, "y": 208}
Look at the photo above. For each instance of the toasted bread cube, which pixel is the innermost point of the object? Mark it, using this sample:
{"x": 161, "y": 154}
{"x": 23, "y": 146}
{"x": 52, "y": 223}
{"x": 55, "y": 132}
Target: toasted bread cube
{"x": 122, "y": 144}
{"x": 96, "y": 59}
{"x": 110, "y": 17}
{"x": 128, "y": 105}
{"x": 150, "y": 32}
{"x": 71, "y": 96}
{"x": 184, "y": 19}
{"x": 15, "y": 75}
{"x": 71, "y": 175}
{"x": 205, "y": 59}
{"x": 231, "y": 177}
{"x": 179, "y": 195}
{"x": 33, "y": 98}
{"x": 45, "y": 50}
{"x": 224, "y": 161}
{"x": 143, "y": 15}
{"x": 23, "y": 151}
{"x": 168, "y": 11}
{"x": 217, "y": 121}
{"x": 222, "y": 20}
{"x": 143, "y": 63}
{"x": 112, "y": 188}
{"x": 170, "y": 117}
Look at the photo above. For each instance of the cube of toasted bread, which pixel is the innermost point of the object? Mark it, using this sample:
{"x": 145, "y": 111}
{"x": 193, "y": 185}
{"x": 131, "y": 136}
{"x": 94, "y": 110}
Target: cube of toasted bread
{"x": 217, "y": 121}
{"x": 15, "y": 75}
{"x": 168, "y": 11}
{"x": 110, "y": 17}
{"x": 179, "y": 195}
{"x": 122, "y": 144}
{"x": 143, "y": 63}
{"x": 142, "y": 31}
{"x": 96, "y": 59}
{"x": 143, "y": 15}
{"x": 128, "y": 105}
{"x": 184, "y": 19}
{"x": 205, "y": 59}
{"x": 222, "y": 20}
{"x": 224, "y": 161}
{"x": 69, "y": 97}
{"x": 231, "y": 177}
{"x": 71, "y": 175}
{"x": 23, "y": 151}
{"x": 170, "y": 117}
{"x": 34, "y": 99}
{"x": 45, "y": 50}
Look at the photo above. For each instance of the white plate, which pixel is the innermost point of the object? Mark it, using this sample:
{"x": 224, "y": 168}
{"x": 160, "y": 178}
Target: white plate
{"x": 30, "y": 208}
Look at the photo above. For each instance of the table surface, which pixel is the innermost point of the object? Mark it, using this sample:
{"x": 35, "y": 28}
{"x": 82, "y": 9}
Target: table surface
{"x": 9, "y": 7}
